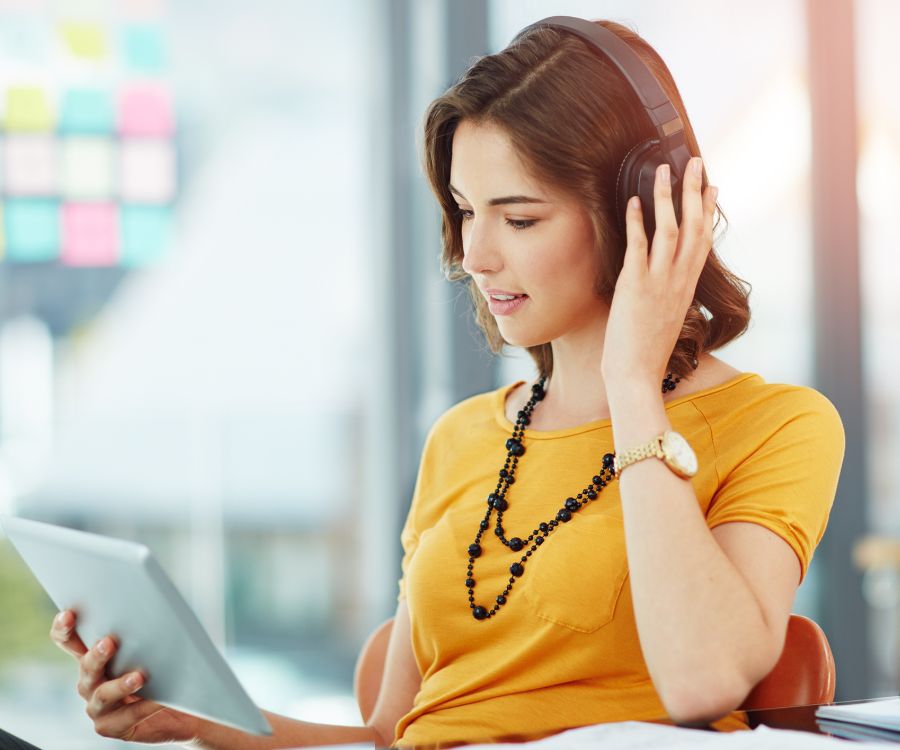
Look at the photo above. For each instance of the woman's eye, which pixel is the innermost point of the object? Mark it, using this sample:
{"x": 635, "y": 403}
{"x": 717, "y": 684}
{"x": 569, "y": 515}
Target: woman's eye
{"x": 517, "y": 224}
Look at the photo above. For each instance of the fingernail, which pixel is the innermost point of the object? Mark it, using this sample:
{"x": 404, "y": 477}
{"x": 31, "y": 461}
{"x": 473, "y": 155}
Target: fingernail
{"x": 715, "y": 194}
{"x": 635, "y": 202}
{"x": 697, "y": 166}
{"x": 133, "y": 680}
{"x": 664, "y": 174}
{"x": 102, "y": 646}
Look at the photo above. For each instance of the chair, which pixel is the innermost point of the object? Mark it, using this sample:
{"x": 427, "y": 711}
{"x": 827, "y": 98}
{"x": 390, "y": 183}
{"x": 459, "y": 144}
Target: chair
{"x": 804, "y": 675}
{"x": 370, "y": 667}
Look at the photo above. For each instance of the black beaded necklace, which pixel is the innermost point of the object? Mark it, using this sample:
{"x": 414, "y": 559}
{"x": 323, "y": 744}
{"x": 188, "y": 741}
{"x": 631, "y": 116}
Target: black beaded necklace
{"x": 497, "y": 501}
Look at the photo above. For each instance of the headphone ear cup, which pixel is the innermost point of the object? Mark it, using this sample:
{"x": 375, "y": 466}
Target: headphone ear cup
{"x": 637, "y": 176}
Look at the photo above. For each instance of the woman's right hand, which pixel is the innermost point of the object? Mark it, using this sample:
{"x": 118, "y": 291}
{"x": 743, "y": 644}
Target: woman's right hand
{"x": 111, "y": 703}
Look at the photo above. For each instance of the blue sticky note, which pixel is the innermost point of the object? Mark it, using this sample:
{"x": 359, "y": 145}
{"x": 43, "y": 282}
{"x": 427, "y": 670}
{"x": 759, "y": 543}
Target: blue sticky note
{"x": 32, "y": 229}
{"x": 143, "y": 48}
{"x": 86, "y": 112}
{"x": 145, "y": 234}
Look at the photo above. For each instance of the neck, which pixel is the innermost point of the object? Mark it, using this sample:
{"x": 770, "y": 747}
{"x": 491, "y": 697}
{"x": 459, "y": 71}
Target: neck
{"x": 576, "y": 387}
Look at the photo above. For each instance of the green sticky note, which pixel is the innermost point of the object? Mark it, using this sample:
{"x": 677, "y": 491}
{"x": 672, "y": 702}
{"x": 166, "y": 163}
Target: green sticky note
{"x": 32, "y": 229}
{"x": 84, "y": 40}
{"x": 143, "y": 48}
{"x": 27, "y": 109}
{"x": 145, "y": 234}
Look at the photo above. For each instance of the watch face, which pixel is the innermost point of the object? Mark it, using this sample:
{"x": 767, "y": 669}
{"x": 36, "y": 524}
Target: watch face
{"x": 680, "y": 452}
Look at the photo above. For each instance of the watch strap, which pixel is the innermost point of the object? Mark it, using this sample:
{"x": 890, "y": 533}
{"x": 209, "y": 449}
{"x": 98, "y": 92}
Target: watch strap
{"x": 651, "y": 449}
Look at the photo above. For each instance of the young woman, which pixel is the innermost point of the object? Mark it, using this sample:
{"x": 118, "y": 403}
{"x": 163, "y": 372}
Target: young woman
{"x": 621, "y": 539}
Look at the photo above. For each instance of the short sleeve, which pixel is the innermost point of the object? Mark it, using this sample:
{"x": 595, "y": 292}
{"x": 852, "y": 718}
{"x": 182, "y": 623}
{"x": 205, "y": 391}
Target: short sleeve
{"x": 788, "y": 482}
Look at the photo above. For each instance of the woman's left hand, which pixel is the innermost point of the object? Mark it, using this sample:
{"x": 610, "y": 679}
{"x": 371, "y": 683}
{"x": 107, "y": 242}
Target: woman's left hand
{"x": 653, "y": 293}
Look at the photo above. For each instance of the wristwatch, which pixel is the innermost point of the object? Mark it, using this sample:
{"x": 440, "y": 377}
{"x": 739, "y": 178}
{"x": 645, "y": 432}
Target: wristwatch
{"x": 671, "y": 447}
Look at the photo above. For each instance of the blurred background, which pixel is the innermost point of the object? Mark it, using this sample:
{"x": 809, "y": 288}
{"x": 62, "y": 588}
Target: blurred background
{"x": 224, "y": 332}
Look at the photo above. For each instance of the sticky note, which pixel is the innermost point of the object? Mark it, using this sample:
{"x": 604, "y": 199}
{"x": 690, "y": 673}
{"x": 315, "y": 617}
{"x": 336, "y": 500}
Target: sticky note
{"x": 86, "y": 167}
{"x": 84, "y": 40}
{"x": 32, "y": 229}
{"x": 31, "y": 165}
{"x": 27, "y": 109}
{"x": 143, "y": 48}
{"x": 25, "y": 37}
{"x": 145, "y": 233}
{"x": 2, "y": 233}
{"x": 145, "y": 110}
{"x": 146, "y": 170}
{"x": 90, "y": 234}
{"x": 86, "y": 111}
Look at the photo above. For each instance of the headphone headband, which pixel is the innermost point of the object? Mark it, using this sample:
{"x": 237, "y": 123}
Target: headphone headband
{"x": 660, "y": 110}
{"x": 636, "y": 175}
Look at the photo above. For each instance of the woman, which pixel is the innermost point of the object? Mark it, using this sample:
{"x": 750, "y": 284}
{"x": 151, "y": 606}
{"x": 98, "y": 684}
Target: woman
{"x": 598, "y": 586}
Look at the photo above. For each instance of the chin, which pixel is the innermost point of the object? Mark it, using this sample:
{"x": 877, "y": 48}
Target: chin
{"x": 524, "y": 340}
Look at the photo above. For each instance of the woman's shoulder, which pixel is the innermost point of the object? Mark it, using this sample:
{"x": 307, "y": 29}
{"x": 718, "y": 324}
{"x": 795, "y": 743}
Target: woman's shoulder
{"x": 754, "y": 412}
{"x": 470, "y": 414}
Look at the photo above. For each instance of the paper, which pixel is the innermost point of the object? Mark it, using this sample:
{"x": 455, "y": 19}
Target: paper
{"x": 87, "y": 112}
{"x": 32, "y": 165}
{"x": 84, "y": 40}
{"x": 86, "y": 168}
{"x": 32, "y": 229}
{"x": 90, "y": 234}
{"x": 145, "y": 234}
{"x": 145, "y": 110}
{"x": 27, "y": 110}
{"x": 882, "y": 713}
{"x": 147, "y": 170}
{"x": 143, "y": 48}
{"x": 639, "y": 735}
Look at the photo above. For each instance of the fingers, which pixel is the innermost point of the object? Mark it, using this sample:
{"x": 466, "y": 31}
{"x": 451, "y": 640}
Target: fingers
{"x": 665, "y": 238}
{"x": 636, "y": 240}
{"x": 122, "y": 723}
{"x": 111, "y": 694}
{"x": 93, "y": 666}
{"x": 62, "y": 633}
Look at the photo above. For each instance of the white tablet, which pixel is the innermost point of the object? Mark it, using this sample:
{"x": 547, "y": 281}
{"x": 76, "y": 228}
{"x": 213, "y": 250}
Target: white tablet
{"x": 117, "y": 587}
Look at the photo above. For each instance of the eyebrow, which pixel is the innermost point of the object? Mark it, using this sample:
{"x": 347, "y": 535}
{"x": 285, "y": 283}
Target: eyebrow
{"x": 502, "y": 201}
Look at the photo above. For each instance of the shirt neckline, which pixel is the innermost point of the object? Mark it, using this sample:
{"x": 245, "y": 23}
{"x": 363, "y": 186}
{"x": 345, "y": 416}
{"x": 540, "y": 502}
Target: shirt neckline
{"x": 500, "y": 408}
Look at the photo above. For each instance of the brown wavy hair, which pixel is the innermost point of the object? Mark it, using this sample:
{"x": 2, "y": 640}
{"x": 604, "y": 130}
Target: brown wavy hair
{"x": 572, "y": 117}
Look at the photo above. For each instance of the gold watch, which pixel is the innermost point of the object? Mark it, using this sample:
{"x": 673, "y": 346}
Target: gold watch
{"x": 671, "y": 447}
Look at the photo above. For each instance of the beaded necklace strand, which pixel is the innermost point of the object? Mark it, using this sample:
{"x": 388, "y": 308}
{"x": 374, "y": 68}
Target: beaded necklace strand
{"x": 497, "y": 501}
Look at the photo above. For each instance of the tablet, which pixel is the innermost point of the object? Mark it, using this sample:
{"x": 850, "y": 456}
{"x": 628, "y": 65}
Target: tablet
{"x": 117, "y": 587}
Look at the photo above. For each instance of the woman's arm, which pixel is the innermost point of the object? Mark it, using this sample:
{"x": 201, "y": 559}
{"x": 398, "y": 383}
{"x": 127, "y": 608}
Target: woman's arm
{"x": 711, "y": 607}
{"x": 400, "y": 683}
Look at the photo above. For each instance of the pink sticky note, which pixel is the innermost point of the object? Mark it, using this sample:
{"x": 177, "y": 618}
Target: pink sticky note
{"x": 145, "y": 110}
{"x": 90, "y": 234}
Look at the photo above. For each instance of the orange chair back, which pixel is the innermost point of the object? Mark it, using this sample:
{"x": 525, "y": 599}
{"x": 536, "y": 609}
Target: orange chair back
{"x": 804, "y": 675}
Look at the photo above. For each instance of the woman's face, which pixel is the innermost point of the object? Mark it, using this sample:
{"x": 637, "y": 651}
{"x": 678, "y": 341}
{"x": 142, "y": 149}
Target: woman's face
{"x": 520, "y": 237}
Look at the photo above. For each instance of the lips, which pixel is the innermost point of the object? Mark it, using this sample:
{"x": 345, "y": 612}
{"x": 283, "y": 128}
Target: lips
{"x": 506, "y": 307}
{"x": 502, "y": 292}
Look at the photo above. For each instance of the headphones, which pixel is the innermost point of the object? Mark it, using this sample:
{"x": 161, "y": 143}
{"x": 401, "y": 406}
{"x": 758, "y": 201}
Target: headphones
{"x": 637, "y": 172}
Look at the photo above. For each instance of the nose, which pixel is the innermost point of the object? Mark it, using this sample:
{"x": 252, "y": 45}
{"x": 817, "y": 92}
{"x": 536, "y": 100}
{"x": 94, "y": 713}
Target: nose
{"x": 480, "y": 251}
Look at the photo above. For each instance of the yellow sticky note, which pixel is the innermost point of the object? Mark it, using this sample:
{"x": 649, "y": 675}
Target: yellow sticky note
{"x": 85, "y": 40}
{"x": 27, "y": 109}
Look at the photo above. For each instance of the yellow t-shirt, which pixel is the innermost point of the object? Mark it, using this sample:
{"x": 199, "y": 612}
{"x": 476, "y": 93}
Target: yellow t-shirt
{"x": 563, "y": 651}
